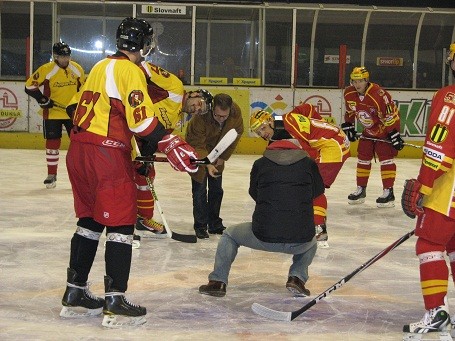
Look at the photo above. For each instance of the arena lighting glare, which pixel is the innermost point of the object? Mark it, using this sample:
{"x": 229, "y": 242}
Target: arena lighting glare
{"x": 98, "y": 44}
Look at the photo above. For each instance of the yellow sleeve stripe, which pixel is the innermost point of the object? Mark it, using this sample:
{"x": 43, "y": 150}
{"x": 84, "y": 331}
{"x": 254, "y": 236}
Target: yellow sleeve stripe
{"x": 426, "y": 190}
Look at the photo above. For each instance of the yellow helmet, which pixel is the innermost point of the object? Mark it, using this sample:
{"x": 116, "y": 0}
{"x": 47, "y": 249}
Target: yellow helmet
{"x": 451, "y": 53}
{"x": 258, "y": 118}
{"x": 360, "y": 72}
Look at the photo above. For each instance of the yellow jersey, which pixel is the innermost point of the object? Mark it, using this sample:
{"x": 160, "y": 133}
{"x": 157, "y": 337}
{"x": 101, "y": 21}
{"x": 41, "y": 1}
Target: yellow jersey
{"x": 114, "y": 103}
{"x": 58, "y": 84}
{"x": 166, "y": 91}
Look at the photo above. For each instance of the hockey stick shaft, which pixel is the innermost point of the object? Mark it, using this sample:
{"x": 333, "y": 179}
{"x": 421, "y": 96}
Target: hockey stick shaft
{"x": 289, "y": 316}
{"x": 387, "y": 141}
{"x": 185, "y": 238}
{"x": 219, "y": 149}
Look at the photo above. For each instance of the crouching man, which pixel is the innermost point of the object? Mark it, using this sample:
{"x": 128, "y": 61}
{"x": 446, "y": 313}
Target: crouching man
{"x": 283, "y": 183}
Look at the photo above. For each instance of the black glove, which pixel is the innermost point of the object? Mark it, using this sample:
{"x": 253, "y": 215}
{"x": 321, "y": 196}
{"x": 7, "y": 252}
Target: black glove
{"x": 46, "y": 103}
{"x": 142, "y": 168}
{"x": 395, "y": 137}
{"x": 350, "y": 131}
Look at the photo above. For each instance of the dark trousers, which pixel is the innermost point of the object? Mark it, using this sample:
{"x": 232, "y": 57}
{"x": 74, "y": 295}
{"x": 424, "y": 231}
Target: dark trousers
{"x": 207, "y": 204}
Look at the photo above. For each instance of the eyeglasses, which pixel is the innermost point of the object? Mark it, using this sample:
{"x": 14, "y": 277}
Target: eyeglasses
{"x": 222, "y": 117}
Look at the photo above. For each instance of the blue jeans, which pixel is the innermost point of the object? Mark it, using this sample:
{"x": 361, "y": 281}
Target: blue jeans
{"x": 207, "y": 205}
{"x": 242, "y": 235}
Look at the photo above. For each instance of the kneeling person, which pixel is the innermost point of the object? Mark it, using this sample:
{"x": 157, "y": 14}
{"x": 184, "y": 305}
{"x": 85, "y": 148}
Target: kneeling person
{"x": 283, "y": 183}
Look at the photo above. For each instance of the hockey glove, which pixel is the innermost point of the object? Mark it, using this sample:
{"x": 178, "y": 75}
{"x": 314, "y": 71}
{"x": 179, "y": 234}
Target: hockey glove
{"x": 395, "y": 137}
{"x": 350, "y": 131}
{"x": 46, "y": 103}
{"x": 179, "y": 153}
{"x": 143, "y": 168}
{"x": 411, "y": 199}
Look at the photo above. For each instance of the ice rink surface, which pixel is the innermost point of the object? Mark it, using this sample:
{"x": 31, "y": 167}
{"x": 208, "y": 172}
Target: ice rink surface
{"x": 36, "y": 225}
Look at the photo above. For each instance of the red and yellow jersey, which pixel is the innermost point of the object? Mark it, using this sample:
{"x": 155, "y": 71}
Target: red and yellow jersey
{"x": 114, "y": 103}
{"x": 437, "y": 174}
{"x": 375, "y": 110}
{"x": 329, "y": 140}
{"x": 58, "y": 84}
{"x": 166, "y": 91}
{"x": 307, "y": 110}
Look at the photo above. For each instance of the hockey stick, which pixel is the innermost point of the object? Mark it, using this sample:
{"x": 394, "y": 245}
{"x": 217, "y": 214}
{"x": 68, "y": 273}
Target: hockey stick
{"x": 219, "y": 149}
{"x": 387, "y": 141}
{"x": 289, "y": 316}
{"x": 185, "y": 238}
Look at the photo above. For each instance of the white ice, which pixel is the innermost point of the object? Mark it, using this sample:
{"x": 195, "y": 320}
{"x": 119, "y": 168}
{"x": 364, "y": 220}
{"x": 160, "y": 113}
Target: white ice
{"x": 36, "y": 225}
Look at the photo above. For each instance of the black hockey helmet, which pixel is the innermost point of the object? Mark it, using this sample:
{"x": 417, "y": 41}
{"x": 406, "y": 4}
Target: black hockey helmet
{"x": 135, "y": 35}
{"x": 61, "y": 49}
{"x": 206, "y": 96}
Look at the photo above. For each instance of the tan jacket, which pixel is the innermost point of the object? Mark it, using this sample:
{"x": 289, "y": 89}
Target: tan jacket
{"x": 204, "y": 132}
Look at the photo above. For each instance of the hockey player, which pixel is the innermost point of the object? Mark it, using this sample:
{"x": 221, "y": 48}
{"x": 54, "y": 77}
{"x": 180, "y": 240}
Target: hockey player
{"x": 431, "y": 198}
{"x": 113, "y": 105}
{"x": 377, "y": 113}
{"x": 323, "y": 141}
{"x": 53, "y": 85}
{"x": 171, "y": 102}
{"x": 166, "y": 92}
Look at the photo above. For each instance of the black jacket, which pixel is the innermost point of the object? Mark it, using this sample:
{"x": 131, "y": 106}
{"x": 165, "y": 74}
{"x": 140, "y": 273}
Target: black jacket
{"x": 283, "y": 183}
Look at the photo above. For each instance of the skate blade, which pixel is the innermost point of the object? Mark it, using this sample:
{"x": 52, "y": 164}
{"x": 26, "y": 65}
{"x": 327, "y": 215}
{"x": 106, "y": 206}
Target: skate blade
{"x": 79, "y": 312}
{"x": 441, "y": 336}
{"x": 51, "y": 185}
{"x": 323, "y": 244}
{"x": 356, "y": 202}
{"x": 386, "y": 205}
{"x": 118, "y": 321}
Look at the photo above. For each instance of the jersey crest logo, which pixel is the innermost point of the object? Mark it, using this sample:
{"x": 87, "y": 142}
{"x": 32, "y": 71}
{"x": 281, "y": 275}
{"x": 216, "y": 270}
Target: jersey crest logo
{"x": 135, "y": 98}
{"x": 449, "y": 98}
{"x": 439, "y": 133}
{"x": 365, "y": 118}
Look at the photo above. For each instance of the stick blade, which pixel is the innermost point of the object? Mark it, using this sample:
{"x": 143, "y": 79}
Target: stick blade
{"x": 184, "y": 238}
{"x": 271, "y": 314}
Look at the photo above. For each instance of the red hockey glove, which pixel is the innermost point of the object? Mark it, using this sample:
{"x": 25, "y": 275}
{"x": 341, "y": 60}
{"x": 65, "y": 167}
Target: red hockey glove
{"x": 411, "y": 199}
{"x": 179, "y": 153}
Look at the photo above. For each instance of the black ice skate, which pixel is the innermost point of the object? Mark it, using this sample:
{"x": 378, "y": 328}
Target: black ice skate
{"x": 357, "y": 197}
{"x": 51, "y": 181}
{"x": 387, "y": 199}
{"x": 321, "y": 236}
{"x": 118, "y": 311}
{"x": 434, "y": 320}
{"x": 150, "y": 228}
{"x": 78, "y": 301}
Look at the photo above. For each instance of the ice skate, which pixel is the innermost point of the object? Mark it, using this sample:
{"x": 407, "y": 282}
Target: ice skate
{"x": 435, "y": 323}
{"x": 150, "y": 228}
{"x": 118, "y": 311}
{"x": 136, "y": 241}
{"x": 78, "y": 301}
{"x": 321, "y": 236}
{"x": 357, "y": 197}
{"x": 51, "y": 181}
{"x": 387, "y": 199}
